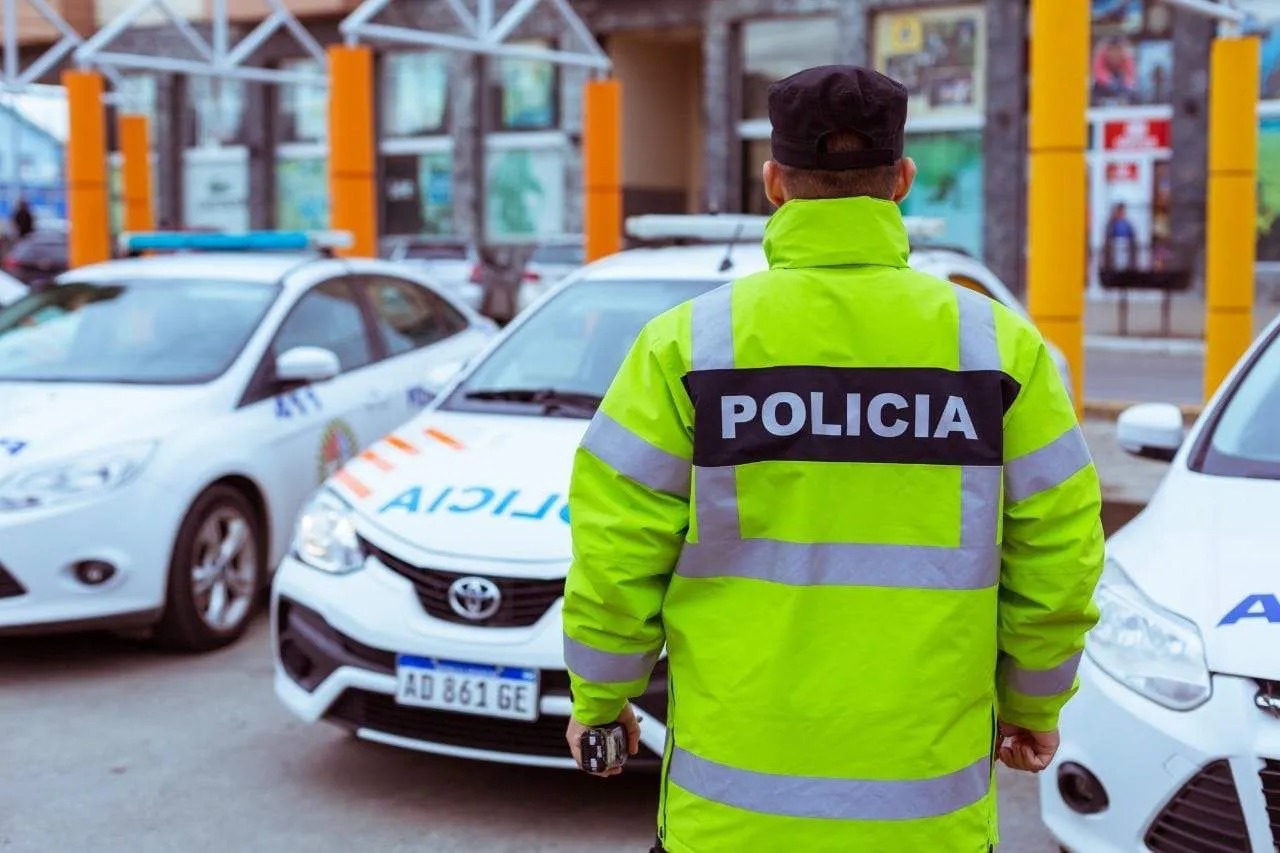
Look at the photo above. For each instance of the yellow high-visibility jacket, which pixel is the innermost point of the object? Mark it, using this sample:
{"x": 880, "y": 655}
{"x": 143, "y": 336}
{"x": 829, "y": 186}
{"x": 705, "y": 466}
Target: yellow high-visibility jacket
{"x": 855, "y": 504}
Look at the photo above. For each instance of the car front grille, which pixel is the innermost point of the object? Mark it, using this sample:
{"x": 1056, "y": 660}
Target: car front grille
{"x": 524, "y": 601}
{"x": 9, "y": 585}
{"x": 1205, "y": 816}
{"x": 1270, "y": 774}
{"x": 363, "y": 709}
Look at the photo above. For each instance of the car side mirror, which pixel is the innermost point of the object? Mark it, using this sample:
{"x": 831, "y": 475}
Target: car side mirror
{"x": 1151, "y": 430}
{"x": 307, "y": 365}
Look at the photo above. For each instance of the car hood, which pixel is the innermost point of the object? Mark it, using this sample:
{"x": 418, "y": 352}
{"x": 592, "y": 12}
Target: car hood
{"x": 43, "y": 421}
{"x": 1208, "y": 548}
{"x": 462, "y": 490}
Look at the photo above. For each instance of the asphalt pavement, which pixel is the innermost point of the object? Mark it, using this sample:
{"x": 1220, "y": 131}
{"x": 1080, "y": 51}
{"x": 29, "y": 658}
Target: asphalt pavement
{"x": 1137, "y": 374}
{"x": 111, "y": 746}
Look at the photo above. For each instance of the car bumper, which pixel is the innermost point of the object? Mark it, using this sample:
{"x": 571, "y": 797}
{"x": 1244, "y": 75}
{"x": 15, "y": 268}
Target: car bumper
{"x": 131, "y": 529}
{"x": 335, "y": 641}
{"x": 1174, "y": 780}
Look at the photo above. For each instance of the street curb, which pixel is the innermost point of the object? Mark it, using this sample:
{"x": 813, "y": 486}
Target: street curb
{"x": 1109, "y": 410}
{"x": 1159, "y": 346}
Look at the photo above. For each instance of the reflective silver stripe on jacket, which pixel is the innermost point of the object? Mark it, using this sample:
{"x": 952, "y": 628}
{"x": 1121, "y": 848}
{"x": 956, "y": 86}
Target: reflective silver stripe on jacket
{"x": 1040, "y": 682}
{"x": 822, "y": 797}
{"x": 721, "y": 551}
{"x": 607, "y": 667}
{"x": 1051, "y": 465}
{"x": 635, "y": 458}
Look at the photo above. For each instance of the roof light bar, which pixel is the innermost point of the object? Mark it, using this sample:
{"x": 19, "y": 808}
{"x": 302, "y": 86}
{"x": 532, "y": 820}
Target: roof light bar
{"x": 704, "y": 228}
{"x": 248, "y": 241}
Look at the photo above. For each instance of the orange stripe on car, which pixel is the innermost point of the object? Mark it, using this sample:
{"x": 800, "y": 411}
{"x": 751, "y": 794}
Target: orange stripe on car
{"x": 400, "y": 444}
{"x": 444, "y": 438}
{"x": 356, "y": 487}
{"x": 376, "y": 461}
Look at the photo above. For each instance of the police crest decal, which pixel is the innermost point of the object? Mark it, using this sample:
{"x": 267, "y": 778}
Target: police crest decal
{"x": 337, "y": 445}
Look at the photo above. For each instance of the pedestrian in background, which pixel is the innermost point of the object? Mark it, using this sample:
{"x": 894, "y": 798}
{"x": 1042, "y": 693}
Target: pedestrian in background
{"x": 854, "y": 504}
{"x": 24, "y": 221}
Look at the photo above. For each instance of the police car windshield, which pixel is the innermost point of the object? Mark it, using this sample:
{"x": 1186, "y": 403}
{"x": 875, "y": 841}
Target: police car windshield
{"x": 161, "y": 331}
{"x": 1246, "y": 439}
{"x": 573, "y": 345}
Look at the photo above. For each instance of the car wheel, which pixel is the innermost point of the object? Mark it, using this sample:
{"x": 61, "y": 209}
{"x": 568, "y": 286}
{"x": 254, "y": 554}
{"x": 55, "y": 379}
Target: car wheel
{"x": 215, "y": 574}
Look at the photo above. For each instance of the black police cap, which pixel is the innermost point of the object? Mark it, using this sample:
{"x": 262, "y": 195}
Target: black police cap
{"x": 807, "y": 107}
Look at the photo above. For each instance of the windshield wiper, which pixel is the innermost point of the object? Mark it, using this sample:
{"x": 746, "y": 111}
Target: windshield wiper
{"x": 550, "y": 398}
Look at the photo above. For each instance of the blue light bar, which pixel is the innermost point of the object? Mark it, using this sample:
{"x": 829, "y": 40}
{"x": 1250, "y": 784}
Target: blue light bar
{"x": 248, "y": 241}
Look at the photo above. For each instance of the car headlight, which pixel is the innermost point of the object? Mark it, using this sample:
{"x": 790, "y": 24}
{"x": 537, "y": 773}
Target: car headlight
{"x": 326, "y": 538}
{"x": 1148, "y": 649}
{"x": 82, "y": 476}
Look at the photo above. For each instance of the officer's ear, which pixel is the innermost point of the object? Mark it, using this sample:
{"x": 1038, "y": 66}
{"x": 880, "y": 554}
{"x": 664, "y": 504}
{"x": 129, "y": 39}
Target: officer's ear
{"x": 906, "y": 178}
{"x": 773, "y": 187}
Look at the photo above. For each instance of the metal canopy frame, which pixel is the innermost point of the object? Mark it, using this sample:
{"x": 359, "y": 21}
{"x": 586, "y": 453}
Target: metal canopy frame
{"x": 484, "y": 32}
{"x": 19, "y": 81}
{"x": 219, "y": 59}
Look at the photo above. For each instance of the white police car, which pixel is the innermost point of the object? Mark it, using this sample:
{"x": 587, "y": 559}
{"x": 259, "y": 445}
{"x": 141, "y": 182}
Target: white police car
{"x": 163, "y": 419}
{"x": 420, "y": 606}
{"x": 1173, "y": 743}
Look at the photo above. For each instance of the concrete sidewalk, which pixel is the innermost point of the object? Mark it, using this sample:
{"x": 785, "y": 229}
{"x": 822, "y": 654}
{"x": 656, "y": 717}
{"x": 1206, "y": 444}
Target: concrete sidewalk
{"x": 1103, "y": 314}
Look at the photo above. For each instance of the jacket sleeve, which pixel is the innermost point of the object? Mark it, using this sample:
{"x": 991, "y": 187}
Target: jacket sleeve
{"x": 1052, "y": 551}
{"x": 629, "y": 511}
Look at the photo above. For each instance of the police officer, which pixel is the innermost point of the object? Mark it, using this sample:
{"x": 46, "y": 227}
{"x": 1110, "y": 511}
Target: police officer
{"x": 854, "y": 503}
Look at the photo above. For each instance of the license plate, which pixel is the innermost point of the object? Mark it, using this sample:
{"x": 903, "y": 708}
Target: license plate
{"x": 467, "y": 688}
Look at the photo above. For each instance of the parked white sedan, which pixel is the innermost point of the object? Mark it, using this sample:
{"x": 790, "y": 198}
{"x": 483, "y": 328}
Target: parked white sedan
{"x": 1173, "y": 743}
{"x": 164, "y": 419}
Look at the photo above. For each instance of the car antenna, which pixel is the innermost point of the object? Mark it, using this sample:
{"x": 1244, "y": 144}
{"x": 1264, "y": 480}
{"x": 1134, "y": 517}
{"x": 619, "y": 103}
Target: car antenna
{"x": 727, "y": 263}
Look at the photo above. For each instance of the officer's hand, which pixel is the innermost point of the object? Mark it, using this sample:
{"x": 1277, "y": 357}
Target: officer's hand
{"x": 1023, "y": 749}
{"x": 576, "y": 730}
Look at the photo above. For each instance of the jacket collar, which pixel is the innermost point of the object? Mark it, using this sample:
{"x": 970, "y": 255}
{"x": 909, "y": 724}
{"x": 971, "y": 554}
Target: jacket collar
{"x": 836, "y": 233}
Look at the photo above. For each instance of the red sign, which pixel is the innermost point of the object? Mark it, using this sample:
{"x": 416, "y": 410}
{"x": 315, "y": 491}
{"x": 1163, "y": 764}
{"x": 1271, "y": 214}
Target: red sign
{"x": 1122, "y": 173}
{"x": 1137, "y": 135}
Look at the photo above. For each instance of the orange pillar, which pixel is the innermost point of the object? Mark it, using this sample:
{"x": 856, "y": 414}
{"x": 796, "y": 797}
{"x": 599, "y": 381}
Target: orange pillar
{"x": 1230, "y": 246}
{"x": 87, "y": 203}
{"x": 1056, "y": 190}
{"x": 351, "y": 147}
{"x": 135, "y": 150}
{"x": 602, "y": 168}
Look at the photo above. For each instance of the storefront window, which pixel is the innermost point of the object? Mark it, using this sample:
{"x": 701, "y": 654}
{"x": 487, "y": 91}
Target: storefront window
{"x": 939, "y": 54}
{"x": 418, "y": 194}
{"x": 779, "y": 47}
{"x": 1269, "y": 190}
{"x": 525, "y": 192}
{"x": 1132, "y": 55}
{"x": 302, "y": 194}
{"x": 136, "y": 95}
{"x": 303, "y": 109}
{"x": 415, "y": 94}
{"x": 219, "y": 110}
{"x": 524, "y": 92}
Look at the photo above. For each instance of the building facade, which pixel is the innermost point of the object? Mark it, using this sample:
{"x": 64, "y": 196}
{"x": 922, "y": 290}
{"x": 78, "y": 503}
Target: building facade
{"x": 492, "y": 147}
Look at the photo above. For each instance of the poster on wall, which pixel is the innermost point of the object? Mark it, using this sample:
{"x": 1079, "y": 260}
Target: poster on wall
{"x": 435, "y": 182}
{"x": 1132, "y": 60}
{"x": 302, "y": 194}
{"x": 1131, "y": 196}
{"x": 528, "y": 93}
{"x": 525, "y": 195}
{"x": 416, "y": 93}
{"x": 949, "y": 185}
{"x": 417, "y": 194}
{"x": 939, "y": 54}
{"x": 216, "y": 189}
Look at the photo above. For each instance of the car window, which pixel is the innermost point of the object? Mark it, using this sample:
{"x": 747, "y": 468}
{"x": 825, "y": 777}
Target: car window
{"x": 1246, "y": 439}
{"x": 410, "y": 316}
{"x": 150, "y": 331}
{"x": 969, "y": 283}
{"x": 328, "y": 317}
{"x": 576, "y": 342}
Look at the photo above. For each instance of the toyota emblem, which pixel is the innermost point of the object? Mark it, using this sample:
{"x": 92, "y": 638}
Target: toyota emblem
{"x": 475, "y": 598}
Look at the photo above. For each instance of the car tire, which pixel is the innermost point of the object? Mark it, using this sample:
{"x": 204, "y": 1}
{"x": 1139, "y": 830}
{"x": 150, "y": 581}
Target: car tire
{"x": 215, "y": 574}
